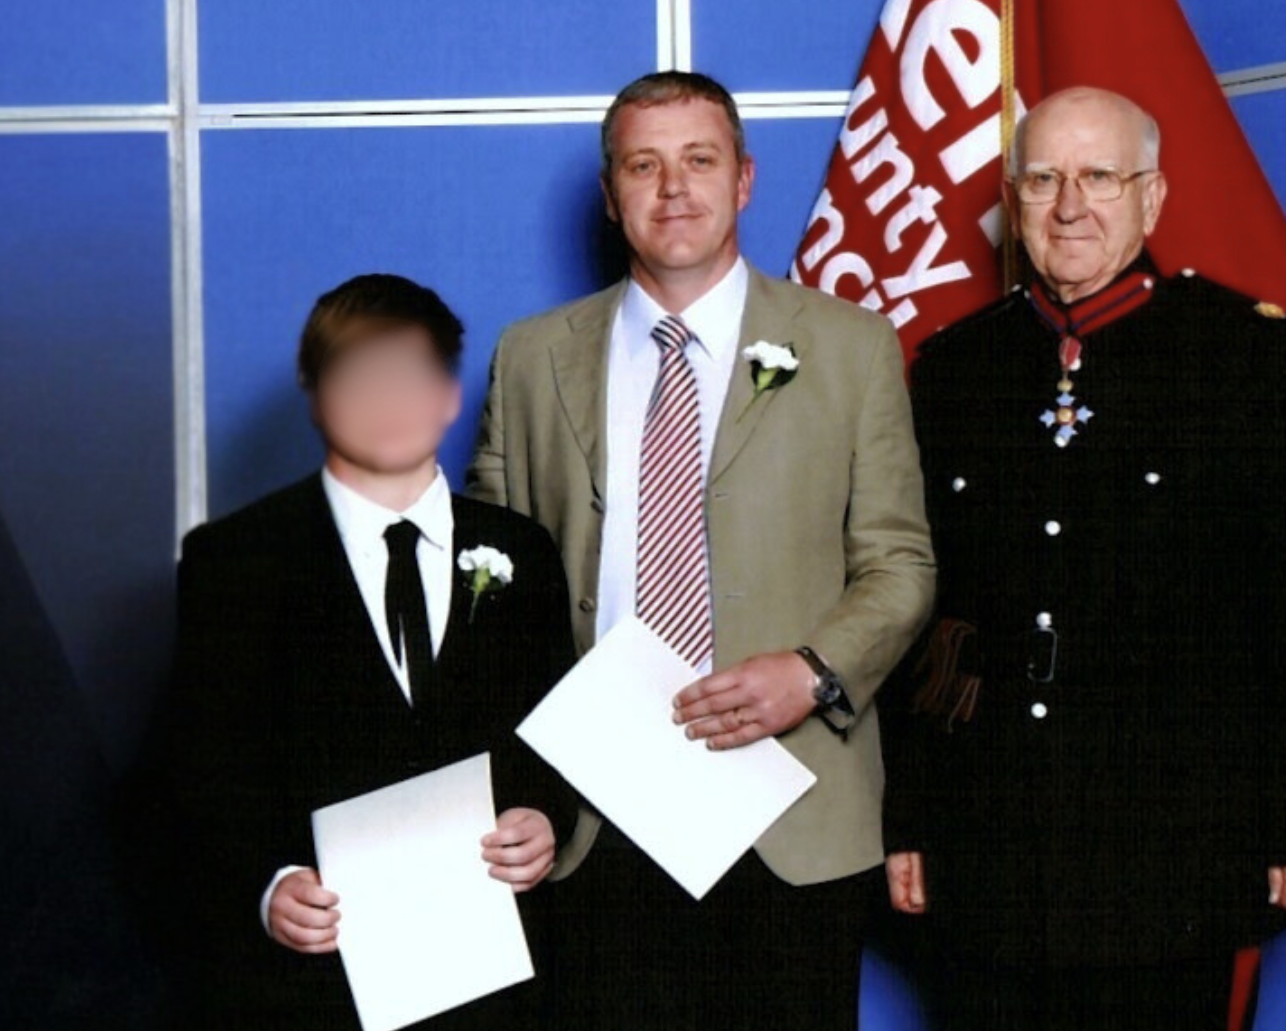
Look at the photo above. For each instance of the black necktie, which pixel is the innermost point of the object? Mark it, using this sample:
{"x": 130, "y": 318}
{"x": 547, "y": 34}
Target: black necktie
{"x": 406, "y": 610}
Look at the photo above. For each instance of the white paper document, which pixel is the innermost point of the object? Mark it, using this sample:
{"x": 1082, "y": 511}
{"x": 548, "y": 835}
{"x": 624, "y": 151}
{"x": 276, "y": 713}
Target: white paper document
{"x": 607, "y": 728}
{"x": 423, "y": 928}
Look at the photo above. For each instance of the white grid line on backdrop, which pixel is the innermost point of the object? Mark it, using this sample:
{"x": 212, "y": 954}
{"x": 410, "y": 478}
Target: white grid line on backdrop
{"x": 183, "y": 117}
{"x": 187, "y": 298}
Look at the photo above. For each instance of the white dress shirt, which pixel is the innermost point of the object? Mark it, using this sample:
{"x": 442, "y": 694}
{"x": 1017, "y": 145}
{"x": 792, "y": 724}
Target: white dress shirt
{"x": 633, "y": 361}
{"x": 361, "y": 524}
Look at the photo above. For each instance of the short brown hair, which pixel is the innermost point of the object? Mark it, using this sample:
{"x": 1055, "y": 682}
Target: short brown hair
{"x": 668, "y": 88}
{"x": 369, "y": 304}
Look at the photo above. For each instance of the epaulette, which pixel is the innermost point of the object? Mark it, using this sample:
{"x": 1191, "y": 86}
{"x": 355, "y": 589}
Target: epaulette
{"x": 1196, "y": 286}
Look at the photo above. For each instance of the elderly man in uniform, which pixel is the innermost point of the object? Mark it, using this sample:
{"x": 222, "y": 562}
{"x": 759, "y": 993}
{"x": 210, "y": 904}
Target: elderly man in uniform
{"x": 1085, "y": 800}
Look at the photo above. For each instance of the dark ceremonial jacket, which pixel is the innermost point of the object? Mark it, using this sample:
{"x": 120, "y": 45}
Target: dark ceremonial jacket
{"x": 1111, "y": 795}
{"x": 283, "y": 702}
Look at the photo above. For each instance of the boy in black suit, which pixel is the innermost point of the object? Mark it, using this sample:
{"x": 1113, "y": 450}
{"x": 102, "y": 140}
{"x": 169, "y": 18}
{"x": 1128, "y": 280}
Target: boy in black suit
{"x": 331, "y": 643}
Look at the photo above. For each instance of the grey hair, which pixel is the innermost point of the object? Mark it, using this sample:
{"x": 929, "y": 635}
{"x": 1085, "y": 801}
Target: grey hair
{"x": 1149, "y": 138}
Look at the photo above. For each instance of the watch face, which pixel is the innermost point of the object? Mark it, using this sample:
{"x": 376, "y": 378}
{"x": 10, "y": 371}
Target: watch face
{"x": 827, "y": 692}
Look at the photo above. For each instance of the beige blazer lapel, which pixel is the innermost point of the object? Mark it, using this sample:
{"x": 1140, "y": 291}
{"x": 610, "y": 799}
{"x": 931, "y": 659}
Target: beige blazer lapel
{"x": 769, "y": 315}
{"x": 579, "y": 362}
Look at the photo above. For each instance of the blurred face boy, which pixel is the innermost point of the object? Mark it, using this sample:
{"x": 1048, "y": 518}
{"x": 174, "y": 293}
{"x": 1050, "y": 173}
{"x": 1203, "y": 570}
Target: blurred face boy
{"x": 378, "y": 359}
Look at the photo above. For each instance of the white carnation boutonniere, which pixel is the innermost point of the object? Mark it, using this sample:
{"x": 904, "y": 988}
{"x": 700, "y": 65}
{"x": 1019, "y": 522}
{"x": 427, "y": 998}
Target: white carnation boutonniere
{"x": 490, "y": 569}
{"x": 771, "y": 366}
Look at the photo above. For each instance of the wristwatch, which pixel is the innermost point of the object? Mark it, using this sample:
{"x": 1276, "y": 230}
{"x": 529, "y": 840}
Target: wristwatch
{"x": 833, "y": 706}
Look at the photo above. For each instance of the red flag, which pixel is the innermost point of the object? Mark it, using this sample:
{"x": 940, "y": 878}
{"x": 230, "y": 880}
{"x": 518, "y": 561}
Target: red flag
{"x": 909, "y": 221}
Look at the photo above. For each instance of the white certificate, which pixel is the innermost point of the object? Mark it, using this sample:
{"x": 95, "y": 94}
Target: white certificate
{"x": 607, "y": 728}
{"x": 423, "y": 928}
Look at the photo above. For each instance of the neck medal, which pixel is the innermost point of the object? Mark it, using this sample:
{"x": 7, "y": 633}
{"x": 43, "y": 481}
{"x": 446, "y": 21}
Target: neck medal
{"x": 1072, "y": 323}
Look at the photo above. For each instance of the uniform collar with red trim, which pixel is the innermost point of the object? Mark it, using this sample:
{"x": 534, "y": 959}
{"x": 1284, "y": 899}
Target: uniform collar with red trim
{"x": 1129, "y": 291}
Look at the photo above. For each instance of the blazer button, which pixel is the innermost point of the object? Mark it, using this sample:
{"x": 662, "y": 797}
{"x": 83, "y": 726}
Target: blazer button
{"x": 587, "y": 605}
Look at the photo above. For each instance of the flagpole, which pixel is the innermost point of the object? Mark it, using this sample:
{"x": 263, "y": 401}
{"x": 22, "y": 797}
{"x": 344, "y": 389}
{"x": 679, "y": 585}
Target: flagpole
{"x": 1008, "y": 119}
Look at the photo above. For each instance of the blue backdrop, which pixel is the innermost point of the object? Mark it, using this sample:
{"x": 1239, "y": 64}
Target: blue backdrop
{"x": 503, "y": 219}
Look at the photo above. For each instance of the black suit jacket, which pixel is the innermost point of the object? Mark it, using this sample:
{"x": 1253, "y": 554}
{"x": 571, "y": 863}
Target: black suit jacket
{"x": 1131, "y": 816}
{"x": 283, "y": 702}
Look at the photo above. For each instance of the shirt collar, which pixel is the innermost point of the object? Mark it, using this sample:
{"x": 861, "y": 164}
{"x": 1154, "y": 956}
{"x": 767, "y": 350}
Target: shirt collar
{"x": 362, "y": 521}
{"x": 715, "y": 316}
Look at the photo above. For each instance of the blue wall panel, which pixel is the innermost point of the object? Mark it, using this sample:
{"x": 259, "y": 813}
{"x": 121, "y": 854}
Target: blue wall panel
{"x": 82, "y": 52}
{"x": 889, "y": 1001}
{"x": 1271, "y": 1014}
{"x": 790, "y": 164}
{"x": 768, "y": 45}
{"x": 1263, "y": 119}
{"x": 86, "y": 438}
{"x": 302, "y": 50}
{"x": 501, "y": 221}
{"x": 1239, "y": 33}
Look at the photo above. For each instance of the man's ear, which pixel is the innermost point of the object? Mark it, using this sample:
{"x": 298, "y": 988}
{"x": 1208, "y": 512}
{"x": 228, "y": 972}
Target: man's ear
{"x": 1154, "y": 193}
{"x": 455, "y": 401}
{"x": 609, "y": 201}
{"x": 745, "y": 182}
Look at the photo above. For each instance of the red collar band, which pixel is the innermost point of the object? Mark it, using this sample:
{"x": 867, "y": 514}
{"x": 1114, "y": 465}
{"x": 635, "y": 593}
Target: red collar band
{"x": 1085, "y": 316}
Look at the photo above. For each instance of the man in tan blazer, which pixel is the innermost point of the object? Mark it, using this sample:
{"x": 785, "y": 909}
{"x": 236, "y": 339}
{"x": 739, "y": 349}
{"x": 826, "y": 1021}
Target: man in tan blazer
{"x": 794, "y": 578}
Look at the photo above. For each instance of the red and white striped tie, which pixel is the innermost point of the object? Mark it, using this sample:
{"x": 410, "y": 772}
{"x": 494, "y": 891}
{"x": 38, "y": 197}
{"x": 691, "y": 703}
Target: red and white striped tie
{"x": 673, "y": 590}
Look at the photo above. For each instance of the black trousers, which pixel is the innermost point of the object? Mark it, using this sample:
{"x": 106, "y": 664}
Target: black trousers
{"x": 1188, "y": 996}
{"x": 631, "y": 950}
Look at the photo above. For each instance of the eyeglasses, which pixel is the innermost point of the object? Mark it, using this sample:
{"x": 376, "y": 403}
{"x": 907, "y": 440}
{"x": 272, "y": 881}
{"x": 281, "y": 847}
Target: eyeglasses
{"x": 1096, "y": 184}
